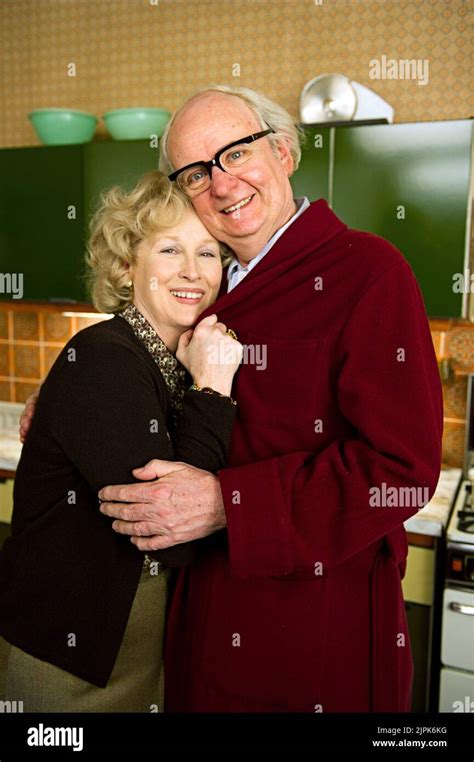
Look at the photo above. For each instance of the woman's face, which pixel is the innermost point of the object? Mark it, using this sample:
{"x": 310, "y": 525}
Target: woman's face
{"x": 176, "y": 275}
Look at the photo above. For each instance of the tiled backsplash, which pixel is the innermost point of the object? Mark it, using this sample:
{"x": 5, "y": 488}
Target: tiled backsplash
{"x": 454, "y": 344}
{"x": 31, "y": 337}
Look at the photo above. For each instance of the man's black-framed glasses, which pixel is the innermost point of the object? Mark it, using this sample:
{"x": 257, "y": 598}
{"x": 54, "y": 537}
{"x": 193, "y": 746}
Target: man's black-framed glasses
{"x": 196, "y": 177}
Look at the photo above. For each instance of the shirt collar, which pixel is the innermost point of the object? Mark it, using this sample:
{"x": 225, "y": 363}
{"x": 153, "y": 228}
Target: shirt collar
{"x": 234, "y": 267}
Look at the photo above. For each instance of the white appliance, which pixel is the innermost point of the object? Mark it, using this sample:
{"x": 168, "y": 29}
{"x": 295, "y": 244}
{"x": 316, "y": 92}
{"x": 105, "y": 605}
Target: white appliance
{"x": 457, "y": 638}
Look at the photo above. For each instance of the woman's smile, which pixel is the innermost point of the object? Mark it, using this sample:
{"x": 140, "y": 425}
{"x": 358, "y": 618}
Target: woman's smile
{"x": 187, "y": 295}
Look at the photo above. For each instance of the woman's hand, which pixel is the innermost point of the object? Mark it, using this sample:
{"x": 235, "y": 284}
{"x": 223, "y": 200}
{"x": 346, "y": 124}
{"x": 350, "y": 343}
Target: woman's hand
{"x": 27, "y": 414}
{"x": 210, "y": 355}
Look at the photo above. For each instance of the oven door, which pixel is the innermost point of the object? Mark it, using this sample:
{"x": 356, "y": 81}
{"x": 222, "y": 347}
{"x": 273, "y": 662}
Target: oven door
{"x": 456, "y": 693}
{"x": 457, "y": 649}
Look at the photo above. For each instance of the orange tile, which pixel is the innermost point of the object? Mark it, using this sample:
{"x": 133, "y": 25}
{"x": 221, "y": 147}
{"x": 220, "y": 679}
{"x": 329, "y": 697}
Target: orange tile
{"x": 5, "y": 394}
{"x": 460, "y": 346}
{"x": 3, "y": 325}
{"x": 27, "y": 361}
{"x": 453, "y": 444}
{"x": 4, "y": 364}
{"x": 26, "y": 326}
{"x": 50, "y": 355}
{"x": 23, "y": 390}
{"x": 436, "y": 337}
{"x": 86, "y": 322}
{"x": 440, "y": 324}
{"x": 56, "y": 327}
{"x": 455, "y": 398}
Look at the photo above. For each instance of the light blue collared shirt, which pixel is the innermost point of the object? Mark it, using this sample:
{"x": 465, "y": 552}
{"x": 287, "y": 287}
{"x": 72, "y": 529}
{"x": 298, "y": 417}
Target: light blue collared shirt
{"x": 237, "y": 272}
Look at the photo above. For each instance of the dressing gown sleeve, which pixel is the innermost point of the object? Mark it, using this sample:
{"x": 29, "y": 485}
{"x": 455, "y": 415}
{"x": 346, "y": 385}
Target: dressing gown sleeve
{"x": 302, "y": 508}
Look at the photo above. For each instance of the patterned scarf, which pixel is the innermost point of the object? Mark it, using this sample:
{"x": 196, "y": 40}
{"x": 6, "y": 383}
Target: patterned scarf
{"x": 171, "y": 369}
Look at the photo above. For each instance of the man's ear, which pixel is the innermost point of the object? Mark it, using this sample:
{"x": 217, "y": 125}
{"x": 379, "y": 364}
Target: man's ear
{"x": 284, "y": 154}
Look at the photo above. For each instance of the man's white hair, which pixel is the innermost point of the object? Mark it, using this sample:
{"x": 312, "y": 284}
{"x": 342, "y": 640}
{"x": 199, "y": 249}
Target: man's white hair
{"x": 267, "y": 112}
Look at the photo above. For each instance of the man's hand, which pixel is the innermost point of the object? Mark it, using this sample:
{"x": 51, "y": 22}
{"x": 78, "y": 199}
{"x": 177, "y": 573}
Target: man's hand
{"x": 183, "y": 503}
{"x": 27, "y": 414}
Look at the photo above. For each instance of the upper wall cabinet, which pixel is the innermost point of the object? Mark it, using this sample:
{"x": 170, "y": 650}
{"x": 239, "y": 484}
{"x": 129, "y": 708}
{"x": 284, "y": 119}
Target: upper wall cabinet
{"x": 313, "y": 176}
{"x": 47, "y": 195}
{"x": 410, "y": 184}
{"x": 114, "y": 163}
{"x": 42, "y": 220}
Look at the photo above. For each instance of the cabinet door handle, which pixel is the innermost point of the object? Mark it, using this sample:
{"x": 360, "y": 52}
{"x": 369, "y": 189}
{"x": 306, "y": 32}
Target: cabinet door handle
{"x": 461, "y": 608}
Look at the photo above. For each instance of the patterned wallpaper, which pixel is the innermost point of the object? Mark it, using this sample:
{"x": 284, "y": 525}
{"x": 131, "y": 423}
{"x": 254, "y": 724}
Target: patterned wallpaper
{"x": 155, "y": 52}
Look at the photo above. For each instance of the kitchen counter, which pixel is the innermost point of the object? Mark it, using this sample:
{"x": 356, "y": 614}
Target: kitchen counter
{"x": 432, "y": 520}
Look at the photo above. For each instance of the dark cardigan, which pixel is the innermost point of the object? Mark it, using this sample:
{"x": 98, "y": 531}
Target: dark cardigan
{"x": 103, "y": 410}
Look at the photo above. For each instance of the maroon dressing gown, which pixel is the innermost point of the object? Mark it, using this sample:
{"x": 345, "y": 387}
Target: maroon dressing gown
{"x": 297, "y": 606}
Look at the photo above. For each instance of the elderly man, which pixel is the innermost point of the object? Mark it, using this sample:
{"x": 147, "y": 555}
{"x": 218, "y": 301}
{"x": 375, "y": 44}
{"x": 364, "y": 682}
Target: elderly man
{"x": 294, "y": 602}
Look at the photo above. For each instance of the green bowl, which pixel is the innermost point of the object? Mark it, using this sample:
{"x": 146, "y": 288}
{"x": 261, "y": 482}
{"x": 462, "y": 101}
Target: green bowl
{"x": 57, "y": 126}
{"x": 136, "y": 123}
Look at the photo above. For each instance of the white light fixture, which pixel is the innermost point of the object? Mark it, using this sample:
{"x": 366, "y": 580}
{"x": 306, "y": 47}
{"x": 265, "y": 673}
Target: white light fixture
{"x": 336, "y": 98}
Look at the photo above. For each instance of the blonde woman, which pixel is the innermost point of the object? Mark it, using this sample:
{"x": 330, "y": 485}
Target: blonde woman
{"x": 81, "y": 608}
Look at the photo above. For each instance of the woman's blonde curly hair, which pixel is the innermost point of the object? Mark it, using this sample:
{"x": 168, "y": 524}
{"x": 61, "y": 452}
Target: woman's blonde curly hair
{"x": 118, "y": 226}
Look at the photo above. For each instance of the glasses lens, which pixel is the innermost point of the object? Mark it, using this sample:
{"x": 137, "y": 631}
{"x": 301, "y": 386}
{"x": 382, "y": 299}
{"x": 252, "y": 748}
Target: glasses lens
{"x": 236, "y": 157}
{"x": 194, "y": 179}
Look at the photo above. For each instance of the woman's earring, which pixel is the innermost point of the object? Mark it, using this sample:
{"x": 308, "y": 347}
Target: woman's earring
{"x": 130, "y": 284}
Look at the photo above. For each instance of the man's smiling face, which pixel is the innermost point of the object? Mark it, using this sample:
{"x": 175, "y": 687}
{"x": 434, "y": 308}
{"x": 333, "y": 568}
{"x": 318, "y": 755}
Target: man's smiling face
{"x": 262, "y": 191}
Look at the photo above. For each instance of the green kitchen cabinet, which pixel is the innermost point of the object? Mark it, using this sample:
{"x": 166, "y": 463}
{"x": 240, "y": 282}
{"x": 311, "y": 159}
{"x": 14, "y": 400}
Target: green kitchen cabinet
{"x": 313, "y": 177}
{"x": 42, "y": 221}
{"x": 410, "y": 184}
{"x": 47, "y": 195}
{"x": 114, "y": 163}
